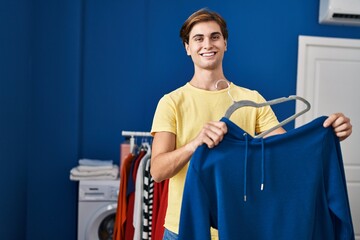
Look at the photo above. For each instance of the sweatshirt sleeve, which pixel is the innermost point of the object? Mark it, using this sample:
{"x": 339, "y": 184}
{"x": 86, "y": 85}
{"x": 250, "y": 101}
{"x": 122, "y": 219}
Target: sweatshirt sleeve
{"x": 336, "y": 189}
{"x": 195, "y": 210}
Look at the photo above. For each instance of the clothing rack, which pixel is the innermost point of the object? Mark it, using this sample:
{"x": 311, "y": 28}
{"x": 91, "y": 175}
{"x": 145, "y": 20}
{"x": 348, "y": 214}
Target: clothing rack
{"x": 132, "y": 136}
{"x": 136, "y": 134}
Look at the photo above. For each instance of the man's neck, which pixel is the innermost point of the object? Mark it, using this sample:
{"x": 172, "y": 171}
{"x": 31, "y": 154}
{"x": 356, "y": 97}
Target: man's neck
{"x": 207, "y": 80}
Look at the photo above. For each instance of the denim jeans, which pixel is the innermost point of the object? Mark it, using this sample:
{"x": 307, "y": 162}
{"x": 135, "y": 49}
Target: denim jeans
{"x": 169, "y": 235}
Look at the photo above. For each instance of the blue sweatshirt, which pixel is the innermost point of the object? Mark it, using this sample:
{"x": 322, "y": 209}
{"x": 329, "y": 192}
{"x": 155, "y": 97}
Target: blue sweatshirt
{"x": 288, "y": 186}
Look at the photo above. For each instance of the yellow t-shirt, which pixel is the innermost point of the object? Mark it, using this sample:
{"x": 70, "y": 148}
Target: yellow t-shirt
{"x": 185, "y": 111}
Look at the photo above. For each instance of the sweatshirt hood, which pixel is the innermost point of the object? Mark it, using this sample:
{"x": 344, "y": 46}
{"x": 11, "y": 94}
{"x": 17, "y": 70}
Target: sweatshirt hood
{"x": 235, "y": 133}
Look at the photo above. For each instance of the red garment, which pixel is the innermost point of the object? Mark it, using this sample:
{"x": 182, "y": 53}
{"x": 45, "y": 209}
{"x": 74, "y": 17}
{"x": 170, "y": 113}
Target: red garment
{"x": 159, "y": 209}
{"x": 119, "y": 226}
{"x": 129, "y": 227}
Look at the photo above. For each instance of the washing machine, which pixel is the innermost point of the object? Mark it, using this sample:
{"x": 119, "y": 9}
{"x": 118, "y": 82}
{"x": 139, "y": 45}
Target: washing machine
{"x": 97, "y": 208}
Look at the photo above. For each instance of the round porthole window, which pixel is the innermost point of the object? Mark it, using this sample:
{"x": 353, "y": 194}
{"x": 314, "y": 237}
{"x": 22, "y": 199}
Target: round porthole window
{"x": 106, "y": 227}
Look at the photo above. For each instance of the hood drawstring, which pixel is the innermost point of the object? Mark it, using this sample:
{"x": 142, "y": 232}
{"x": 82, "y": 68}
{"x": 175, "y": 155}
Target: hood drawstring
{"x": 245, "y": 164}
{"x": 262, "y": 164}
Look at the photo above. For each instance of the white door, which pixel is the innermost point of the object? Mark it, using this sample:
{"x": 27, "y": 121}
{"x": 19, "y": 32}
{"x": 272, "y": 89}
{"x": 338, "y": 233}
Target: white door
{"x": 329, "y": 78}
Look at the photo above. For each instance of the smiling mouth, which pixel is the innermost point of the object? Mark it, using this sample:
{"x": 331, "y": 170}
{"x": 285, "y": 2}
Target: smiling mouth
{"x": 208, "y": 54}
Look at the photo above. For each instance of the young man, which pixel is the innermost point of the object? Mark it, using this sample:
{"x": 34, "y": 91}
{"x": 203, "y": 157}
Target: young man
{"x": 189, "y": 116}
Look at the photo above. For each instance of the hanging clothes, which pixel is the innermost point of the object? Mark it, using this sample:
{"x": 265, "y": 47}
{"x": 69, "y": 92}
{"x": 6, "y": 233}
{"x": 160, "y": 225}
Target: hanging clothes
{"x": 129, "y": 228}
{"x": 148, "y": 202}
{"x": 139, "y": 196}
{"x": 159, "y": 209}
{"x": 121, "y": 210}
{"x": 288, "y": 186}
{"x": 135, "y": 215}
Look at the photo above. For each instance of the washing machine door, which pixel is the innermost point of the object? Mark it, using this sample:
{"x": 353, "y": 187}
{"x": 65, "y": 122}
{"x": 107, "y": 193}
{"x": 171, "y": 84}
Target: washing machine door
{"x": 101, "y": 225}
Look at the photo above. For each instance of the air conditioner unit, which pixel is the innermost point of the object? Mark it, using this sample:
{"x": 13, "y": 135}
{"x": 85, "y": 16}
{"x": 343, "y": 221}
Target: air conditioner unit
{"x": 340, "y": 12}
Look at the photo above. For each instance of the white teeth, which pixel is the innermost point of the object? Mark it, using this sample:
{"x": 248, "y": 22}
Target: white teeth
{"x": 208, "y": 54}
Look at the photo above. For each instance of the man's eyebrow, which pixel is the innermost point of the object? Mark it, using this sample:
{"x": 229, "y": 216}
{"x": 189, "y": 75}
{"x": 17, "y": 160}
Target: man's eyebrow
{"x": 211, "y": 34}
{"x": 198, "y": 35}
{"x": 215, "y": 33}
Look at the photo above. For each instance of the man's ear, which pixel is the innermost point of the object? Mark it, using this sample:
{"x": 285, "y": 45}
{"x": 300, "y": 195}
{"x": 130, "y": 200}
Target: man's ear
{"x": 225, "y": 45}
{"x": 187, "y": 49}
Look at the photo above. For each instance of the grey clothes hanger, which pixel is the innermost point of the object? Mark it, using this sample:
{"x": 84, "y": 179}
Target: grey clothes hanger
{"x": 246, "y": 103}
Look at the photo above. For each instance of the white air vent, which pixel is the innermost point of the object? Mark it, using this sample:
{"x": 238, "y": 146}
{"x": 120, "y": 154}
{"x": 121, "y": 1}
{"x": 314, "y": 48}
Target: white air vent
{"x": 340, "y": 12}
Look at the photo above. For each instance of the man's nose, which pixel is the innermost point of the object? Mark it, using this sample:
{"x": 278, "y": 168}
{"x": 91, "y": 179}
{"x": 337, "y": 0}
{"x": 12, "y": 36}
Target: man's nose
{"x": 207, "y": 43}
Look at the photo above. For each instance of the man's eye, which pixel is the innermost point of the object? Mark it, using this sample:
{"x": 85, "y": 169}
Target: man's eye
{"x": 198, "y": 39}
{"x": 215, "y": 37}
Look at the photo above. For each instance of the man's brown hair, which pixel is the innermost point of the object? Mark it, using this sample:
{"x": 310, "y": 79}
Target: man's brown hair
{"x": 202, "y": 15}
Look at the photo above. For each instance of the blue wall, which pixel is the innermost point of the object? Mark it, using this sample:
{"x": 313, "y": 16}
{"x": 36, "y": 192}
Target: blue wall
{"x": 55, "y": 119}
{"x": 74, "y": 74}
{"x": 15, "y": 36}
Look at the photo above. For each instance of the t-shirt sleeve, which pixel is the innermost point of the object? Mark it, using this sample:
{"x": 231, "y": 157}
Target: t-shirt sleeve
{"x": 266, "y": 117}
{"x": 165, "y": 116}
